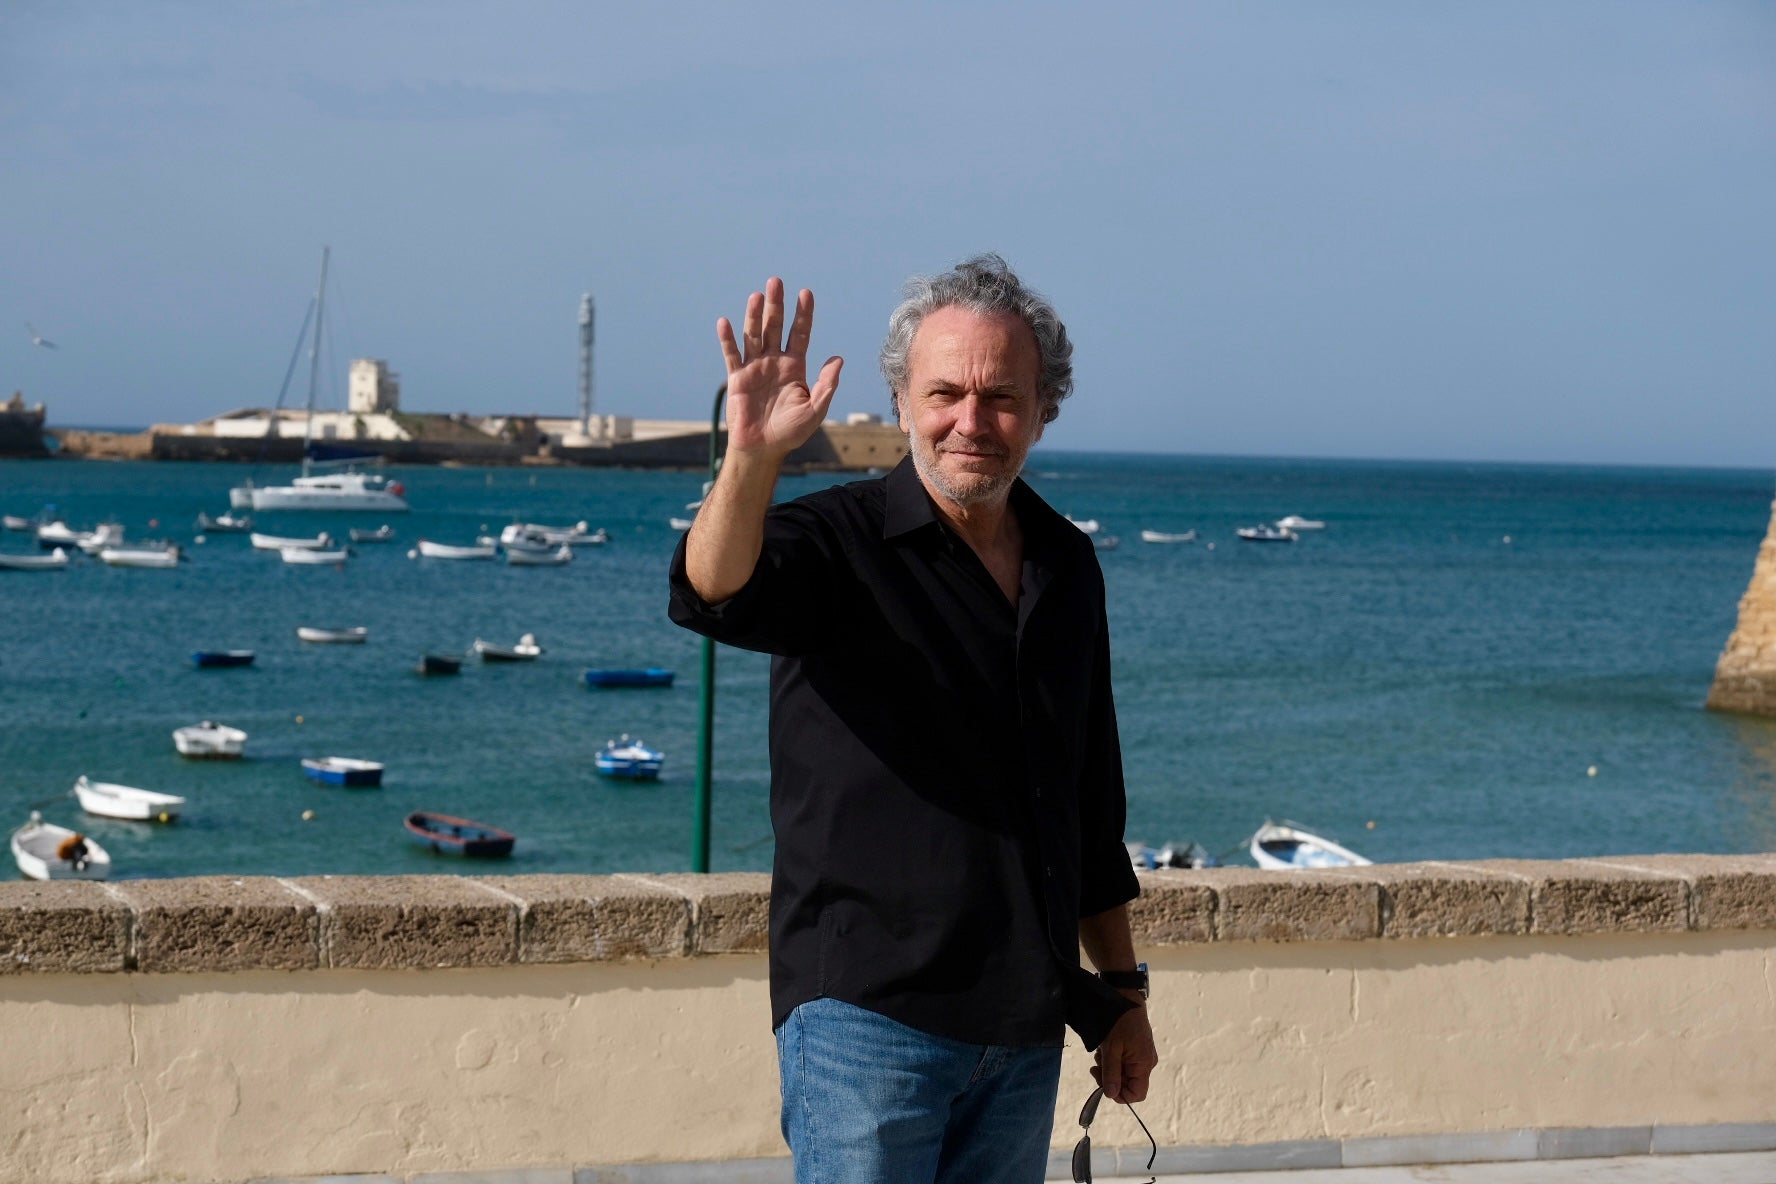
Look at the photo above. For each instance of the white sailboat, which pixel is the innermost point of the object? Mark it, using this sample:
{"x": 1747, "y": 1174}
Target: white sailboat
{"x": 328, "y": 491}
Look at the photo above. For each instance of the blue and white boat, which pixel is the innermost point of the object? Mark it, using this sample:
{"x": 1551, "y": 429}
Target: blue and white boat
{"x": 343, "y": 770}
{"x": 212, "y": 659}
{"x": 652, "y": 676}
{"x": 628, "y": 759}
{"x": 1288, "y": 845}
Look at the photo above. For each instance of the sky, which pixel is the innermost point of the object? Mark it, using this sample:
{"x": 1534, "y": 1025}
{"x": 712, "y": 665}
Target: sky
{"x": 1500, "y": 231}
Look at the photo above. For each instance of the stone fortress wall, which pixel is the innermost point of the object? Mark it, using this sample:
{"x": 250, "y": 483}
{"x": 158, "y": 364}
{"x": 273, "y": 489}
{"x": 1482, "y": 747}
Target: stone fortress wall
{"x": 602, "y": 1029}
{"x": 1745, "y": 678}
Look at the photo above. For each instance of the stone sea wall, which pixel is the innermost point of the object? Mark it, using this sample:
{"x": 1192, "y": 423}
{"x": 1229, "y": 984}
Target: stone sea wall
{"x": 599, "y": 1029}
{"x": 1745, "y": 677}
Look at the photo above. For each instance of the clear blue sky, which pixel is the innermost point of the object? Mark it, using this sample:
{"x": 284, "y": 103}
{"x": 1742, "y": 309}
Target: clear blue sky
{"x": 1518, "y": 231}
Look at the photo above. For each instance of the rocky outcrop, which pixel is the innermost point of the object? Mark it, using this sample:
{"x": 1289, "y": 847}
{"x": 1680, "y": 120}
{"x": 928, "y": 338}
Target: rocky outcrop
{"x": 1745, "y": 677}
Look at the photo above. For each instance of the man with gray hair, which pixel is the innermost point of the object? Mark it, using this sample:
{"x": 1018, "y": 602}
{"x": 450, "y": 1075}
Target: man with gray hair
{"x": 946, "y": 780}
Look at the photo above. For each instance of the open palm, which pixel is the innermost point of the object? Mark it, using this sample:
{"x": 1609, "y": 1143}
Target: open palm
{"x": 771, "y": 408}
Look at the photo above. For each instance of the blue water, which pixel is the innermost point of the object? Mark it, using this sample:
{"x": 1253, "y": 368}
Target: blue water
{"x": 1406, "y": 667}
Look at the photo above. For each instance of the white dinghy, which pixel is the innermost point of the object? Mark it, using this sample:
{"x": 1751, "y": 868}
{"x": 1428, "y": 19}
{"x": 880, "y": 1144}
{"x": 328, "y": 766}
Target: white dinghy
{"x": 272, "y": 542}
{"x": 1160, "y": 536}
{"x": 431, "y": 550}
{"x": 310, "y": 557}
{"x": 140, "y": 555}
{"x": 45, "y": 851}
{"x": 553, "y": 558}
{"x": 210, "y": 741}
{"x": 126, "y": 801}
{"x": 357, "y": 635}
{"x": 1286, "y": 845}
{"x": 56, "y": 560}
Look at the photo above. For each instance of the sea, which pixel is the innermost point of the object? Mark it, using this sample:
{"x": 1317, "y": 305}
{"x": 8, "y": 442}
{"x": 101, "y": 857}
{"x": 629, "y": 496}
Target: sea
{"x": 1469, "y": 661}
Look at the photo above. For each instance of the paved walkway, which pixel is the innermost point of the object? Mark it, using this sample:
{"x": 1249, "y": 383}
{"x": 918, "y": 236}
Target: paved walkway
{"x": 1743, "y": 1167}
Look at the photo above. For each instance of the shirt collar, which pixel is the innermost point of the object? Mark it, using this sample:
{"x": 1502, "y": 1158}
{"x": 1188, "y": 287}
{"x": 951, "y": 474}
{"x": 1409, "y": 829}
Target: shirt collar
{"x": 909, "y": 508}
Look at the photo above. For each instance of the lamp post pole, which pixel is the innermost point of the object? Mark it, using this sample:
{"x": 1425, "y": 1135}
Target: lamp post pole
{"x": 706, "y": 717}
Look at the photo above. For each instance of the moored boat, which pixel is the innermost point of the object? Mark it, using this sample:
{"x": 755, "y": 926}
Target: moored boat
{"x": 652, "y": 676}
{"x": 1265, "y": 534}
{"x": 213, "y": 659}
{"x": 439, "y": 664}
{"x": 1160, "y": 536}
{"x": 553, "y": 557}
{"x": 426, "y": 549}
{"x": 356, "y": 635}
{"x": 1088, "y": 525}
{"x": 343, "y": 770}
{"x": 382, "y": 534}
{"x": 680, "y": 523}
{"x": 210, "y": 741}
{"x": 141, "y": 555}
{"x": 105, "y": 535}
{"x": 1286, "y": 845}
{"x": 225, "y": 523}
{"x": 1296, "y": 522}
{"x": 580, "y": 534}
{"x": 272, "y": 542}
{"x": 527, "y": 650}
{"x": 333, "y": 491}
{"x": 458, "y": 836}
{"x": 126, "y": 801}
{"x": 309, "y": 557}
{"x": 1105, "y": 542}
{"x": 45, "y": 851}
{"x": 628, "y": 759}
{"x": 56, "y": 560}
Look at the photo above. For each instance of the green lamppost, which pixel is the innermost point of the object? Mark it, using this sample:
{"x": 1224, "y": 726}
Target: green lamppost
{"x": 706, "y": 720}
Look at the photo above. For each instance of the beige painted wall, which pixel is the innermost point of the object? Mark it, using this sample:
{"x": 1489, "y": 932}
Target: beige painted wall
{"x": 224, "y": 1076}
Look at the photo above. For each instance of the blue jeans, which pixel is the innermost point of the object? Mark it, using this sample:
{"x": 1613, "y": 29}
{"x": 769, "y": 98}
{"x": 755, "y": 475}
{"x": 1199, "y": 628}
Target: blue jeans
{"x": 867, "y": 1100}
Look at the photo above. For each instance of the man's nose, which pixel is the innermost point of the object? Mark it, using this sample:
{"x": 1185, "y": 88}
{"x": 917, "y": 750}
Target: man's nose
{"x": 969, "y": 415}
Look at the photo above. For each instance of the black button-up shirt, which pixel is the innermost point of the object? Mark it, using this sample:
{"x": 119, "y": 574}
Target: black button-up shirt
{"x": 946, "y": 780}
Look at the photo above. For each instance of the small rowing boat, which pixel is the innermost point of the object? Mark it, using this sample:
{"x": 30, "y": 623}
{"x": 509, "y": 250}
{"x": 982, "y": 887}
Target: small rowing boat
{"x": 357, "y": 635}
{"x": 527, "y": 650}
{"x": 427, "y": 549}
{"x": 438, "y": 664}
{"x": 1160, "y": 536}
{"x": 1286, "y": 845}
{"x": 311, "y": 557}
{"x": 272, "y": 542}
{"x": 45, "y": 851}
{"x": 216, "y": 659}
{"x": 382, "y": 534}
{"x": 450, "y": 835}
{"x": 343, "y": 770}
{"x": 653, "y": 676}
{"x": 126, "y": 801}
{"x": 56, "y": 560}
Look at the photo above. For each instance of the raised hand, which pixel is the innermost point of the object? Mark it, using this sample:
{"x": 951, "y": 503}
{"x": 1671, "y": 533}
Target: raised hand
{"x": 771, "y": 409}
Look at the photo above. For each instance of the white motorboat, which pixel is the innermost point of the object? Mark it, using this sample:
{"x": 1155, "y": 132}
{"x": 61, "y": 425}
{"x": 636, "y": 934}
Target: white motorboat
{"x": 1285, "y": 845}
{"x": 357, "y": 635}
{"x": 554, "y": 557}
{"x": 272, "y": 542}
{"x": 680, "y": 523}
{"x": 1160, "y": 536}
{"x": 430, "y": 550}
{"x": 210, "y": 741}
{"x": 527, "y": 650}
{"x": 141, "y": 555}
{"x": 522, "y": 537}
{"x": 580, "y": 534}
{"x": 1266, "y": 534}
{"x": 45, "y": 851}
{"x": 225, "y": 523}
{"x": 310, "y": 557}
{"x": 51, "y": 535}
{"x": 107, "y": 534}
{"x": 1088, "y": 525}
{"x": 1296, "y": 522}
{"x": 126, "y": 801}
{"x": 56, "y": 560}
{"x": 14, "y": 522}
{"x": 1106, "y": 542}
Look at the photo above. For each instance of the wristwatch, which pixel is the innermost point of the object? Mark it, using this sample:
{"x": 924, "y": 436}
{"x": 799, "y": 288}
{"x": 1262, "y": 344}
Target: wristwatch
{"x": 1127, "y": 980}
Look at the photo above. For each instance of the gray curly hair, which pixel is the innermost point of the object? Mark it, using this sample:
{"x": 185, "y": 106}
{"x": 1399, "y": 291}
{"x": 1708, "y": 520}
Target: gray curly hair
{"x": 984, "y": 284}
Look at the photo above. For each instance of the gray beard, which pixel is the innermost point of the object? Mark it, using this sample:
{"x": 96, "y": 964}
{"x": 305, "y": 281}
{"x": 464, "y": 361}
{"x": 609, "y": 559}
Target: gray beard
{"x": 981, "y": 490}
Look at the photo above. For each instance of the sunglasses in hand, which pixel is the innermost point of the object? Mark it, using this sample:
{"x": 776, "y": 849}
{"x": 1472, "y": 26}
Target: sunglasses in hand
{"x": 1082, "y": 1150}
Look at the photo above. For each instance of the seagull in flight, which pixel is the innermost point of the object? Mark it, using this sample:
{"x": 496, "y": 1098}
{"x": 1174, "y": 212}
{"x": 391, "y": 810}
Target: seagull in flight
{"x": 38, "y": 338}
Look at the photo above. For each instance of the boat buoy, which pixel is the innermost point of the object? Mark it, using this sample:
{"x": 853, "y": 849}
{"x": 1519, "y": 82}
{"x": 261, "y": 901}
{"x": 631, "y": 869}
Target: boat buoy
{"x": 165, "y": 817}
{"x": 308, "y": 815}
{"x": 1507, "y": 540}
{"x": 1211, "y": 546}
{"x": 414, "y": 554}
{"x": 299, "y": 719}
{"x": 1371, "y": 824}
{"x": 201, "y": 539}
{"x": 1591, "y": 771}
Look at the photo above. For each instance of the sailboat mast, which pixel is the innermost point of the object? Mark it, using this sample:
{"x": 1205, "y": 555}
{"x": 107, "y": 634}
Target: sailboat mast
{"x": 314, "y": 360}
